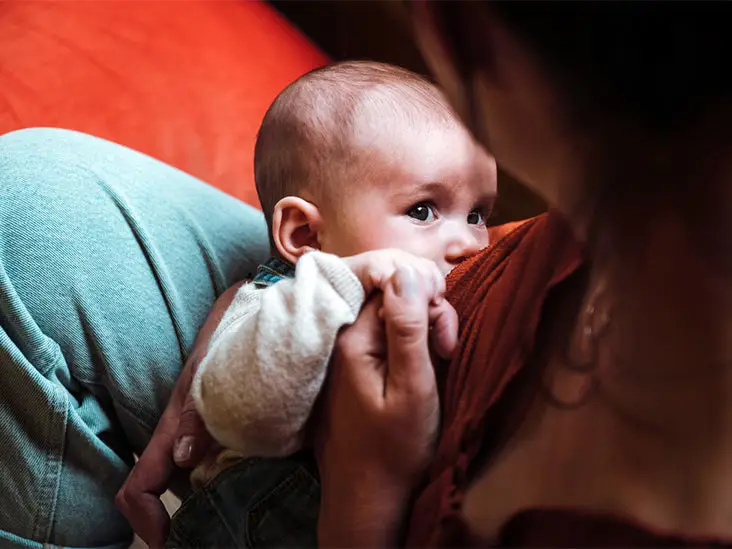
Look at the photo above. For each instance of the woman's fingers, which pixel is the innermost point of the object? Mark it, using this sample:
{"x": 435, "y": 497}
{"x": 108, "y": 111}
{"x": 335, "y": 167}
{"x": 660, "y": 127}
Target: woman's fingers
{"x": 363, "y": 343}
{"x": 443, "y": 329}
{"x": 192, "y": 438}
{"x": 139, "y": 498}
{"x": 180, "y": 438}
{"x": 406, "y": 305}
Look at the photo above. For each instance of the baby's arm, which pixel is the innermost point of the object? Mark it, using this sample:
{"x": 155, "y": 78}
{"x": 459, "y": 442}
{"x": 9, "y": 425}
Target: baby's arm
{"x": 266, "y": 362}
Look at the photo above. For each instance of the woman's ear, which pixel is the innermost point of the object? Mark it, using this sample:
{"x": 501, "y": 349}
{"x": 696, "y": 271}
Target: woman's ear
{"x": 295, "y": 227}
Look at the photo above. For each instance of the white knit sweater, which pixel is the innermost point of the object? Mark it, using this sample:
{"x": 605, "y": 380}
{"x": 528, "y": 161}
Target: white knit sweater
{"x": 267, "y": 359}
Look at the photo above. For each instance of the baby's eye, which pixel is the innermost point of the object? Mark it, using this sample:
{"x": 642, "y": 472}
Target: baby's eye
{"x": 422, "y": 212}
{"x": 476, "y": 217}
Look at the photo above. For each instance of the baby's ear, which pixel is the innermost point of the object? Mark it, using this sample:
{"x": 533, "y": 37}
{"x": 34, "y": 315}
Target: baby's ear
{"x": 295, "y": 227}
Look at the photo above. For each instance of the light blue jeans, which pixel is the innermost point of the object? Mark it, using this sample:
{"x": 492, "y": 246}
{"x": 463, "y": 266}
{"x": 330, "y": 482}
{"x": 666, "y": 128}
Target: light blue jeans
{"x": 109, "y": 262}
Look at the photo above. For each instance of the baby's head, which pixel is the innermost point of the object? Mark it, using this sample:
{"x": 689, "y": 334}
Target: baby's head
{"x": 359, "y": 156}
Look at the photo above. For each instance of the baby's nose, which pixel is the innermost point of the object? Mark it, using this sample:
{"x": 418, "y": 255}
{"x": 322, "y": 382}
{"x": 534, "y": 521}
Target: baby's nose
{"x": 462, "y": 245}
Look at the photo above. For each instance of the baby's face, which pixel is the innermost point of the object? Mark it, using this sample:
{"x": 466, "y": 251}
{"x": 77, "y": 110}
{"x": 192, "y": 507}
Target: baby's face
{"x": 427, "y": 189}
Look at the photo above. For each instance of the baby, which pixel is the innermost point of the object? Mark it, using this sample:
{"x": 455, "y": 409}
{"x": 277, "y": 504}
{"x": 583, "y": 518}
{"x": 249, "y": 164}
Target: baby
{"x": 359, "y": 167}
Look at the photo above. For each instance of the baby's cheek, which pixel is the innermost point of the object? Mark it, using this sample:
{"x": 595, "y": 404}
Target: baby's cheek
{"x": 382, "y": 234}
{"x": 399, "y": 233}
{"x": 422, "y": 244}
{"x": 353, "y": 238}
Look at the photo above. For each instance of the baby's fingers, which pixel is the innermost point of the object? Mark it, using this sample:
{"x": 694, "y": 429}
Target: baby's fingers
{"x": 439, "y": 284}
{"x": 431, "y": 278}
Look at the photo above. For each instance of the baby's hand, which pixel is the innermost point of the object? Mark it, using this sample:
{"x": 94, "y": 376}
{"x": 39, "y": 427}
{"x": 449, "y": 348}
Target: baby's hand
{"x": 375, "y": 268}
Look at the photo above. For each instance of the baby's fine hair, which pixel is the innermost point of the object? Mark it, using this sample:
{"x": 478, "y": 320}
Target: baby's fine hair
{"x": 305, "y": 140}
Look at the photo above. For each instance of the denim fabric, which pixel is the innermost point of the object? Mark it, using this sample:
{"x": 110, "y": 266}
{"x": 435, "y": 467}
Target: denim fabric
{"x": 109, "y": 263}
{"x": 272, "y": 271}
{"x": 257, "y": 503}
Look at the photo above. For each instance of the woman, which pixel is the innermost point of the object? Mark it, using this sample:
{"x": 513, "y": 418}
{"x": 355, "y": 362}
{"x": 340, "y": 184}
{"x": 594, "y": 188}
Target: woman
{"x": 588, "y": 400}
{"x": 589, "y": 390}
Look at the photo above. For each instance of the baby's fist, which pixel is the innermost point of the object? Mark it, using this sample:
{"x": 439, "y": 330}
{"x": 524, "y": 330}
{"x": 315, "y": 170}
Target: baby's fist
{"x": 375, "y": 268}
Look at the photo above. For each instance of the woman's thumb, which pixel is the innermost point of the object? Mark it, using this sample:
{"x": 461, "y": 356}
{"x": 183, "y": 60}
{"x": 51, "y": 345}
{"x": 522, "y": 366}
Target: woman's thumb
{"x": 406, "y": 316}
{"x": 192, "y": 440}
{"x": 443, "y": 329}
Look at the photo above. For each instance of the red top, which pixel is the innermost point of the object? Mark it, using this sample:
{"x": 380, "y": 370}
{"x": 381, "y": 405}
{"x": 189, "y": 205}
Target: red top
{"x": 499, "y": 295}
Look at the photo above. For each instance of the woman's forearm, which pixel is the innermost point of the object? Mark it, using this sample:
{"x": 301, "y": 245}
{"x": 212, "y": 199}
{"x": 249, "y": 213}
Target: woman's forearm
{"x": 362, "y": 514}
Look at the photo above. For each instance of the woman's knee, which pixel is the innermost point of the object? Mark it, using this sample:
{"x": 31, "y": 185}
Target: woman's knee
{"x": 117, "y": 257}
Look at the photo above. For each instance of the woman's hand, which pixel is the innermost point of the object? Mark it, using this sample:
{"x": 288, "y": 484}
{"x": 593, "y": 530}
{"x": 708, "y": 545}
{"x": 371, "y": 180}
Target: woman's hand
{"x": 381, "y": 413}
{"x": 180, "y": 439}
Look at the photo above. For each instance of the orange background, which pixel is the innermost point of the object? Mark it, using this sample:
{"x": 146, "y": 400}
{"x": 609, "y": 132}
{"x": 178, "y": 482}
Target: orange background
{"x": 186, "y": 82}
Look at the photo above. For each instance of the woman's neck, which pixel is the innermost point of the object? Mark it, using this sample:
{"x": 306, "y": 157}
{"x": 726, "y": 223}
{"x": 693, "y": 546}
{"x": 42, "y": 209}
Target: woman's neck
{"x": 670, "y": 312}
{"x": 661, "y": 245}
{"x": 665, "y": 358}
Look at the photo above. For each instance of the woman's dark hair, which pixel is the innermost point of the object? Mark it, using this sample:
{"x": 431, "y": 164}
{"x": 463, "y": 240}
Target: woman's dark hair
{"x": 656, "y": 63}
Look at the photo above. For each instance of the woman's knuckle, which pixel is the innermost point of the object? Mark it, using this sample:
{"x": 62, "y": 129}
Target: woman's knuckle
{"x": 407, "y": 328}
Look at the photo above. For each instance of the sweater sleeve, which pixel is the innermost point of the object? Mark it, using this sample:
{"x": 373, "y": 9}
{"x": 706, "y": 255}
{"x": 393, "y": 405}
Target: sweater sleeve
{"x": 266, "y": 363}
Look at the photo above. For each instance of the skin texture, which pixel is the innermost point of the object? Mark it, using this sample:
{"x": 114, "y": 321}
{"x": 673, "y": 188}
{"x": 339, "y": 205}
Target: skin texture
{"x": 426, "y": 189}
{"x": 439, "y": 166}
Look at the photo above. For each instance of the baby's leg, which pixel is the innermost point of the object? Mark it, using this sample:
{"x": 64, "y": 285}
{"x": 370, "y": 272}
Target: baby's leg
{"x": 254, "y": 503}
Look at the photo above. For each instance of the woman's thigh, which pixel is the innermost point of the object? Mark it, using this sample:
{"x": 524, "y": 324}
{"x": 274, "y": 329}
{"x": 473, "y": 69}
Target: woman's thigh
{"x": 109, "y": 262}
